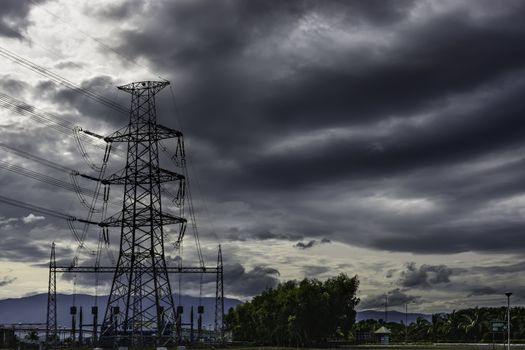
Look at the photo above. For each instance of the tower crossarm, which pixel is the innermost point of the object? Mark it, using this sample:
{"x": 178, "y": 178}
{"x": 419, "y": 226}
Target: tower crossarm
{"x": 168, "y": 133}
{"x": 164, "y": 175}
{"x": 143, "y": 219}
{"x": 91, "y": 133}
{"x": 112, "y": 269}
{"x": 155, "y": 132}
{"x": 138, "y": 86}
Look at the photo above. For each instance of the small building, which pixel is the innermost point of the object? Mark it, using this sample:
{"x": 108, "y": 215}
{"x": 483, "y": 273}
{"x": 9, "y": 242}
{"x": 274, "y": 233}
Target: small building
{"x": 383, "y": 335}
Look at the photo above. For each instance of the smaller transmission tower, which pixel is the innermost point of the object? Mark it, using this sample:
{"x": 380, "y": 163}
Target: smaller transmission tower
{"x": 51, "y": 323}
{"x": 219, "y": 299}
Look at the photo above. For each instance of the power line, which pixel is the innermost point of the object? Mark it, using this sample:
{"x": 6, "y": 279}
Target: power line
{"x": 44, "y": 178}
{"x": 61, "y": 80}
{"x": 101, "y": 43}
{"x": 92, "y": 95}
{"x": 41, "y": 210}
{"x": 35, "y": 158}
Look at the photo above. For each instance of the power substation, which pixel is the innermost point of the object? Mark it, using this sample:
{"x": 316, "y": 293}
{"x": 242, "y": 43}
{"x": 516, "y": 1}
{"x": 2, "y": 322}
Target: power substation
{"x": 141, "y": 308}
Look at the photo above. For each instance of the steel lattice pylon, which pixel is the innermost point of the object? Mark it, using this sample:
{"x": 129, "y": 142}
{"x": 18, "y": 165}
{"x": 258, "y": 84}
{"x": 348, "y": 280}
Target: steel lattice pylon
{"x": 141, "y": 304}
{"x": 219, "y": 299}
{"x": 51, "y": 322}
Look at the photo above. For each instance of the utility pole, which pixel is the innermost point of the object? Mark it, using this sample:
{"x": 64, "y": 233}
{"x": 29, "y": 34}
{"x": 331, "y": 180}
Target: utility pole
{"x": 508, "y": 294}
{"x": 386, "y": 308}
{"x": 406, "y": 323}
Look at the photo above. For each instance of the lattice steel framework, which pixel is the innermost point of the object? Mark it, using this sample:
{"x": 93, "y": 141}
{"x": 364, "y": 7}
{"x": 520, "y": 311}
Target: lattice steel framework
{"x": 141, "y": 302}
{"x": 219, "y": 299}
{"x": 216, "y": 270}
{"x": 51, "y": 321}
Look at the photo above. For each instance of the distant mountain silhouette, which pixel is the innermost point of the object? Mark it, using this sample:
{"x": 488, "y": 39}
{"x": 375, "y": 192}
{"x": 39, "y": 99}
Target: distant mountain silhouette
{"x": 393, "y": 316}
{"x": 32, "y": 309}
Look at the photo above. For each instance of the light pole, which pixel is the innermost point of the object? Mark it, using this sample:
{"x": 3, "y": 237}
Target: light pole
{"x": 406, "y": 323}
{"x": 386, "y": 308}
{"x": 508, "y": 294}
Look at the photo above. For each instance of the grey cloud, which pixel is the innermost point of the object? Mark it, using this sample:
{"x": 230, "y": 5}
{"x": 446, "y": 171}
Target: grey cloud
{"x": 311, "y": 271}
{"x": 482, "y": 291}
{"x": 427, "y": 65}
{"x": 396, "y": 297}
{"x": 238, "y": 281}
{"x": 311, "y": 243}
{"x": 14, "y": 17}
{"x": 307, "y": 245}
{"x": 102, "y": 85}
{"x": 281, "y": 114}
{"x": 70, "y": 65}
{"x": 235, "y": 234}
{"x": 12, "y": 86}
{"x": 502, "y": 269}
{"x": 425, "y": 276}
{"x": 390, "y": 273}
{"x": 118, "y": 12}
{"x": 4, "y": 281}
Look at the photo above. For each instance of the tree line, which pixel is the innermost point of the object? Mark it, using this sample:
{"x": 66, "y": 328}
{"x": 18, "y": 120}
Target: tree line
{"x": 467, "y": 325}
{"x": 305, "y": 313}
{"x": 312, "y": 313}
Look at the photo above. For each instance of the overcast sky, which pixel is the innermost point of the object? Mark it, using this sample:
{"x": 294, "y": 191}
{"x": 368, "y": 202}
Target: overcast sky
{"x": 378, "y": 138}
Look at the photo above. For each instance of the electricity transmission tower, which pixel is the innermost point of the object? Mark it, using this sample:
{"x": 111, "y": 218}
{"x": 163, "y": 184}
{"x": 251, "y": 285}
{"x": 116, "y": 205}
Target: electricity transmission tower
{"x": 141, "y": 301}
{"x": 219, "y": 299}
{"x": 51, "y": 321}
{"x": 140, "y": 309}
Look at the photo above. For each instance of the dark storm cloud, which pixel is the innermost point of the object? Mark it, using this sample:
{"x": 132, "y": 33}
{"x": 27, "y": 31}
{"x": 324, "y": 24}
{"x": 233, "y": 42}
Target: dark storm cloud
{"x": 310, "y": 244}
{"x": 235, "y": 234}
{"x": 450, "y": 138}
{"x": 390, "y": 273}
{"x": 463, "y": 71}
{"x": 4, "y": 281}
{"x": 324, "y": 119}
{"x": 518, "y": 292}
{"x": 12, "y": 86}
{"x": 91, "y": 110}
{"x": 432, "y": 60}
{"x": 13, "y": 17}
{"x": 502, "y": 269}
{"x": 395, "y": 297}
{"x": 247, "y": 283}
{"x": 483, "y": 291}
{"x": 260, "y": 91}
{"x": 424, "y": 276}
{"x": 302, "y": 245}
{"x": 120, "y": 11}
{"x": 503, "y": 236}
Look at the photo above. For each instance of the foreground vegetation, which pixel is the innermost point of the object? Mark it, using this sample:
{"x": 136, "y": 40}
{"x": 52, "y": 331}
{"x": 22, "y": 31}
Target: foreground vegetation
{"x": 468, "y": 325}
{"x": 314, "y": 313}
{"x": 305, "y": 313}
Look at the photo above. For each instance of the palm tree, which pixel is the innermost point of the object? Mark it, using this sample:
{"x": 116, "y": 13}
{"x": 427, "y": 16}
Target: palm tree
{"x": 422, "y": 329}
{"x": 439, "y": 322}
{"x": 474, "y": 323}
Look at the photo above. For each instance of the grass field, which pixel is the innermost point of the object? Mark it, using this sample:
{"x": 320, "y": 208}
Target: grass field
{"x": 404, "y": 347}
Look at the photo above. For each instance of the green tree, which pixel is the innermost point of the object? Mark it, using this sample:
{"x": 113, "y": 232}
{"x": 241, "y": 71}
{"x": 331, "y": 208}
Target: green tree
{"x": 301, "y": 313}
